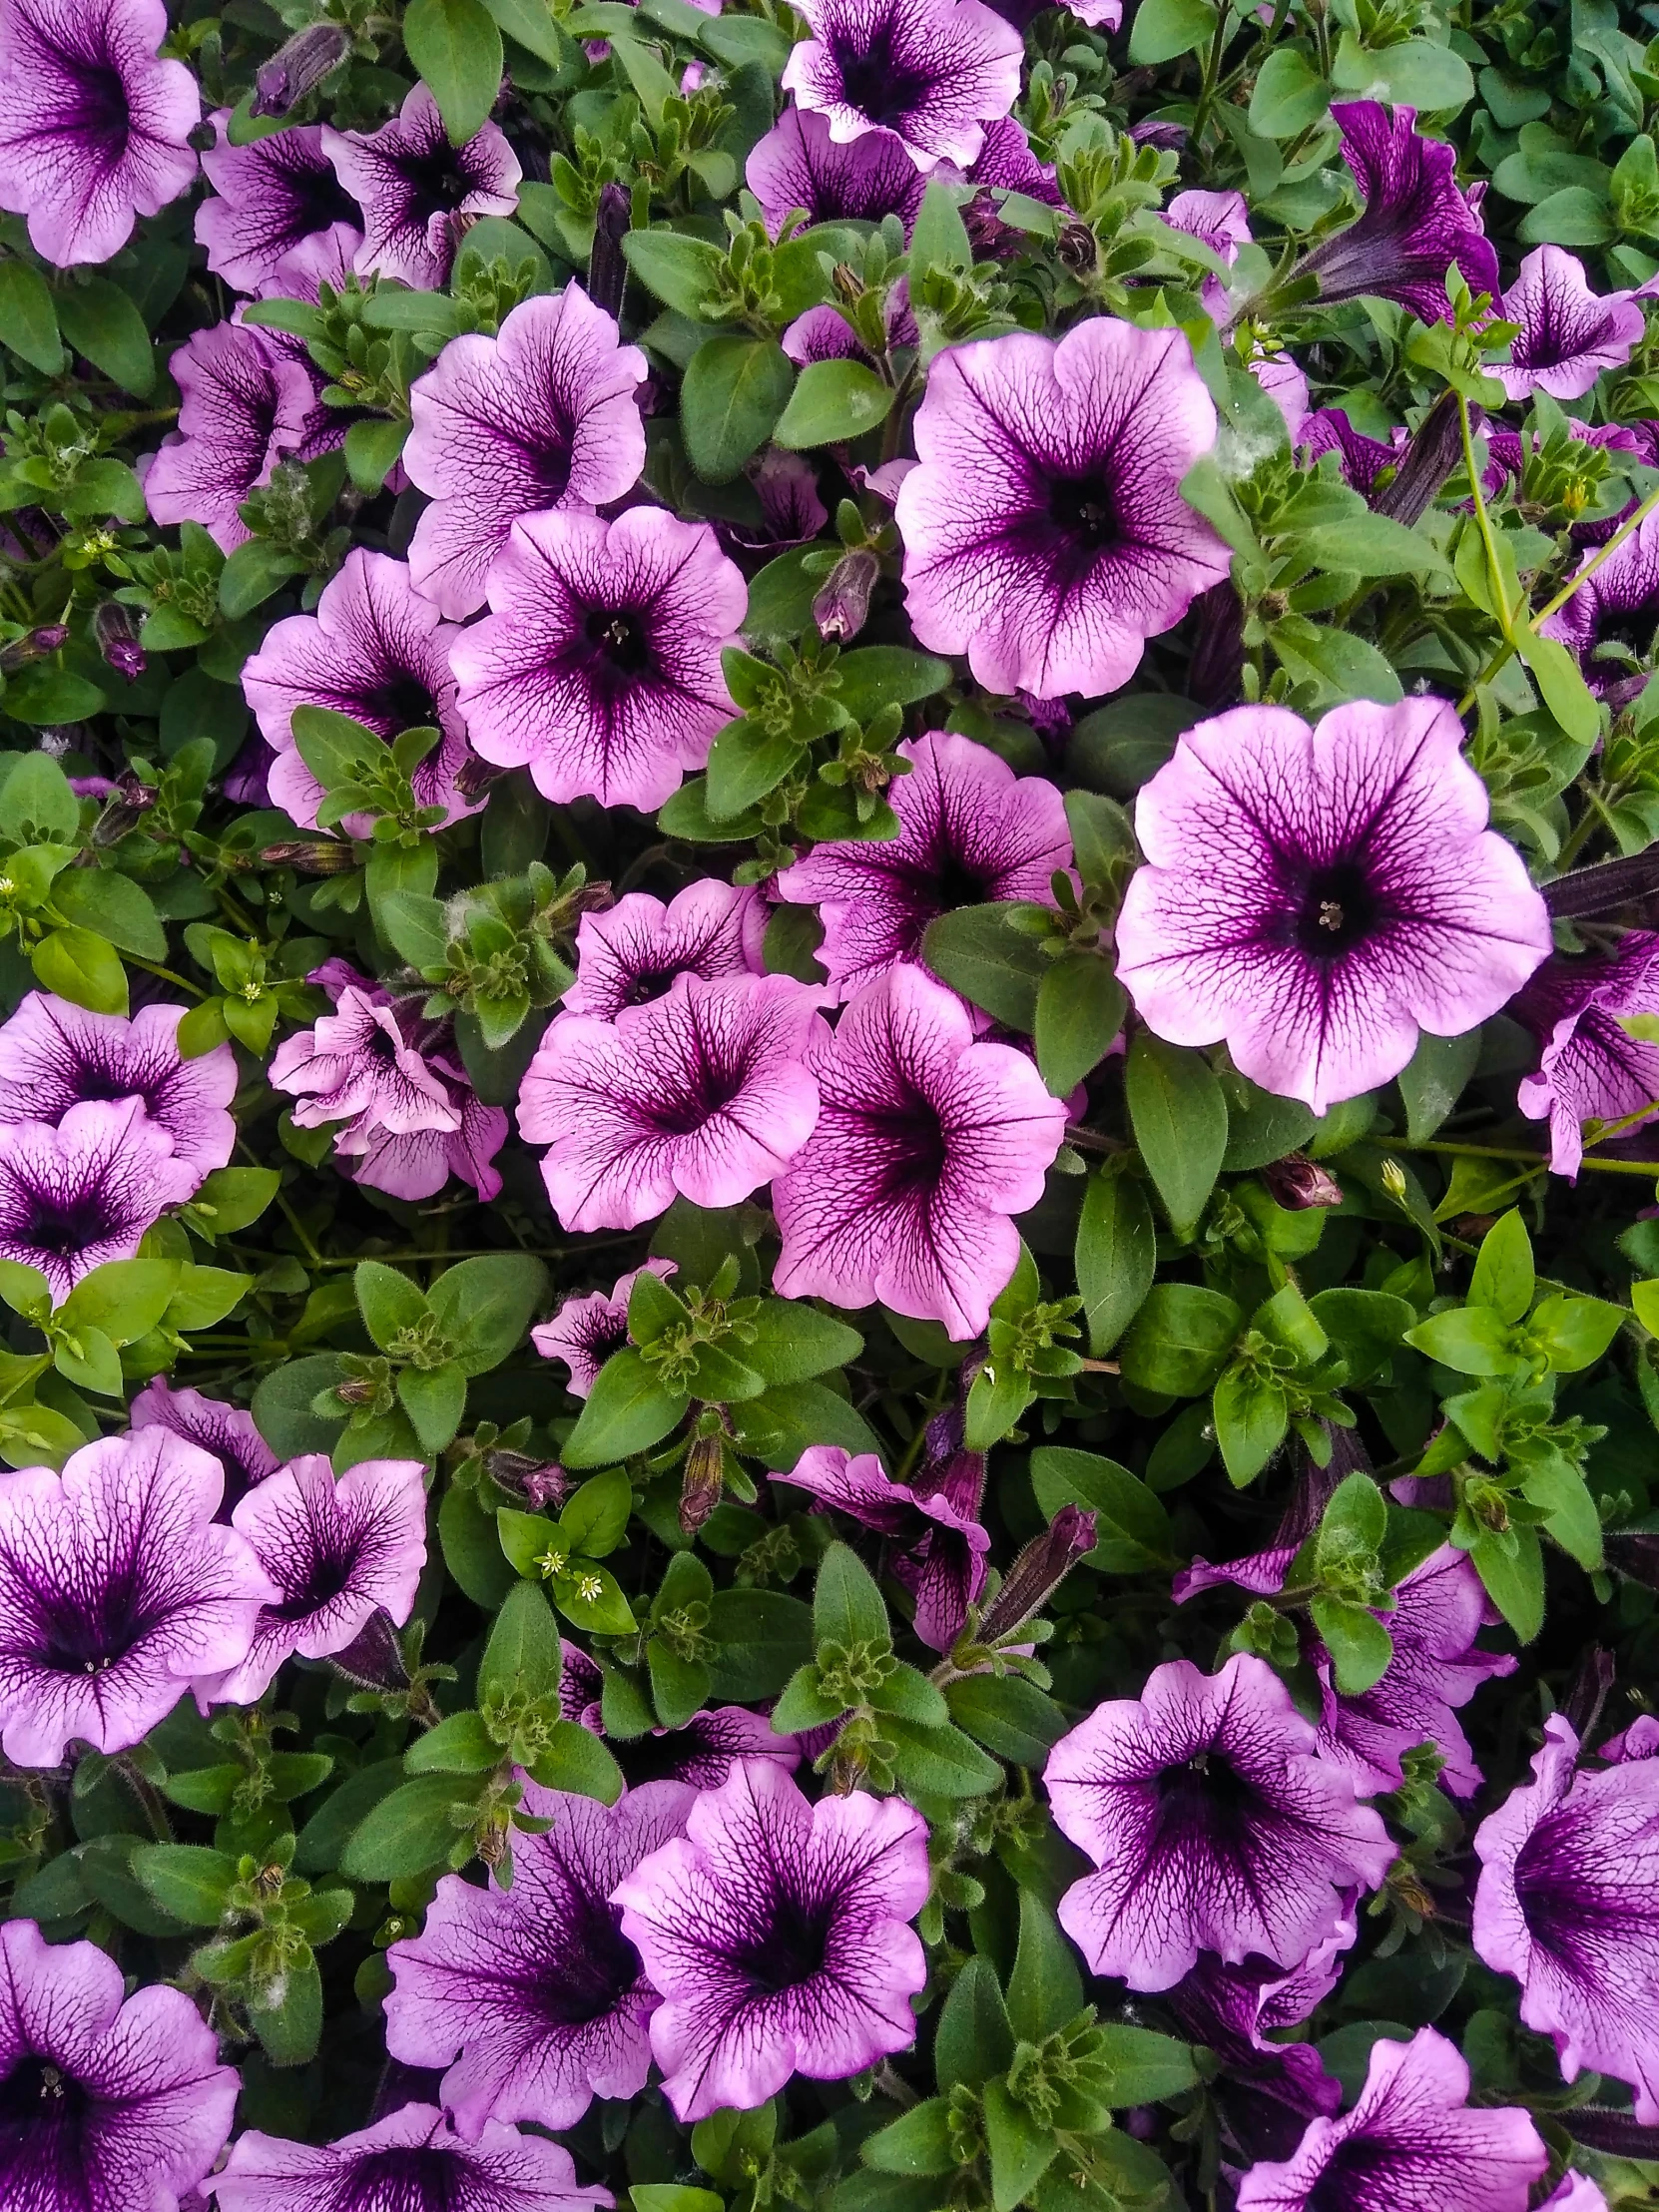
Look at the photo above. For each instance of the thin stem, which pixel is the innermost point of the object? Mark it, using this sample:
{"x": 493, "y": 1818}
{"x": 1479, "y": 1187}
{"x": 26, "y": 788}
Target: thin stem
{"x": 1539, "y": 1160}
{"x": 166, "y": 973}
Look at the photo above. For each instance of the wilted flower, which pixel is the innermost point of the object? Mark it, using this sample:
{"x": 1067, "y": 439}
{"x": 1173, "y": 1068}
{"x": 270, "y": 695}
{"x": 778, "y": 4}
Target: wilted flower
{"x": 544, "y": 415}
{"x": 1220, "y": 221}
{"x": 1568, "y": 333}
{"x": 532, "y": 1997}
{"x": 55, "y": 1056}
{"x": 1418, "y": 222}
{"x": 245, "y": 403}
{"x": 629, "y": 955}
{"x": 936, "y": 1548}
{"x": 412, "y": 2161}
{"x": 704, "y": 1094}
{"x": 267, "y": 199}
{"x": 927, "y": 1143}
{"x": 933, "y": 71}
{"x": 94, "y": 129}
{"x": 1617, "y": 605}
{"x": 800, "y": 165}
{"x": 1045, "y": 535}
{"x": 1568, "y": 1903}
{"x": 586, "y": 1330}
{"x": 374, "y": 650}
{"x": 598, "y": 666}
{"x": 1214, "y": 1823}
{"x": 118, "y": 1592}
{"x": 1590, "y": 1068}
{"x": 969, "y": 831}
{"x": 416, "y": 191}
{"x": 1317, "y": 896}
{"x": 298, "y": 67}
{"x": 777, "y": 1932}
{"x": 102, "y": 2101}
{"x": 226, "y": 1432}
{"x": 85, "y": 1192}
{"x": 1411, "y": 2135}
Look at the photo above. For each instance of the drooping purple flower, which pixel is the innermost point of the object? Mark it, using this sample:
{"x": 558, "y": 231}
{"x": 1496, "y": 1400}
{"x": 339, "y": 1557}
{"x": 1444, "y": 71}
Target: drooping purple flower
{"x": 706, "y": 1749}
{"x": 268, "y": 198}
{"x": 1589, "y": 1067}
{"x": 1618, "y": 606}
{"x": 630, "y": 954}
{"x": 356, "y": 1061}
{"x": 544, "y": 415}
{"x": 1412, "y": 2143}
{"x": 933, "y": 71}
{"x": 800, "y": 165}
{"x": 598, "y": 666}
{"x": 226, "y": 1432}
{"x": 1220, "y": 221}
{"x": 85, "y": 1192}
{"x": 586, "y": 1330}
{"x": 928, "y": 1144}
{"x": 1568, "y": 1903}
{"x": 825, "y": 335}
{"x": 55, "y": 1055}
{"x": 102, "y": 2103}
{"x": 1317, "y": 896}
{"x": 1215, "y": 1824}
{"x": 532, "y": 1997}
{"x": 118, "y": 1592}
{"x": 938, "y": 1551}
{"x": 1568, "y": 333}
{"x": 416, "y": 1163}
{"x": 338, "y": 1548}
{"x": 702, "y": 1094}
{"x": 1006, "y": 161}
{"x": 416, "y": 191}
{"x": 791, "y": 513}
{"x": 1045, "y": 535}
{"x": 412, "y": 2161}
{"x": 1366, "y": 462}
{"x": 246, "y": 404}
{"x": 374, "y": 650}
{"x": 1418, "y": 222}
{"x": 969, "y": 831}
{"x": 94, "y": 129}
{"x": 777, "y": 1932}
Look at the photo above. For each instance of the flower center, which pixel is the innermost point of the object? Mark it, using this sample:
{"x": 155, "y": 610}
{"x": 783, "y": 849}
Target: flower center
{"x": 1632, "y": 627}
{"x": 1205, "y": 1796}
{"x": 1339, "y": 910}
{"x": 595, "y": 1969}
{"x": 90, "y": 1631}
{"x": 401, "y": 701}
{"x": 436, "y": 186}
{"x": 319, "y": 200}
{"x": 327, "y": 1573}
{"x": 60, "y": 1224}
{"x": 1362, "y": 2177}
{"x": 787, "y": 1950}
{"x": 1085, "y": 508}
{"x": 876, "y": 80}
{"x": 418, "y": 2177}
{"x": 620, "y": 640}
{"x": 42, "y": 2112}
{"x": 101, "y": 110}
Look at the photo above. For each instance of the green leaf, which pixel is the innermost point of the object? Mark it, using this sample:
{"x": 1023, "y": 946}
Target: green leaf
{"x": 1511, "y": 1567}
{"x": 435, "y": 1400}
{"x": 456, "y": 47}
{"x": 326, "y": 1834}
{"x": 187, "y": 1880}
{"x": 877, "y": 676}
{"x": 1359, "y": 1643}
{"x": 81, "y": 968}
{"x": 1145, "y": 2066}
{"x": 484, "y": 1306}
{"x": 1080, "y": 1009}
{"x": 1251, "y": 1417}
{"x": 627, "y": 1410}
{"x": 975, "y": 951}
{"x": 288, "y": 2016}
{"x": 1472, "y": 1338}
{"x": 1116, "y": 1255}
{"x": 1561, "y": 684}
{"x": 763, "y": 1636}
{"x": 591, "y": 1598}
{"x": 939, "y": 239}
{"x": 28, "y": 319}
{"x": 793, "y": 1341}
{"x": 833, "y": 403}
{"x": 1021, "y": 2147}
{"x": 1573, "y": 1333}
{"x": 522, "y": 1654}
{"x": 1179, "y": 1339}
{"x": 578, "y": 1761}
{"x": 252, "y": 573}
{"x": 389, "y": 1303}
{"x": 123, "y": 1298}
{"x": 1010, "y": 1716}
{"x": 102, "y": 322}
{"x": 975, "y": 2039}
{"x": 45, "y": 696}
{"x": 1132, "y": 1530}
{"x": 1290, "y": 95}
{"x": 408, "y": 1832}
{"x": 531, "y": 24}
{"x": 1335, "y": 663}
{"x": 747, "y": 760}
{"x": 1372, "y": 545}
{"x": 730, "y": 396}
{"x": 1045, "y": 1992}
{"x": 651, "y": 82}
{"x": 919, "y": 2142}
{"x": 780, "y": 1424}
{"x": 1503, "y": 1277}
{"x": 938, "y": 1762}
{"x": 234, "y": 1198}
{"x": 416, "y": 927}
{"x": 1162, "y": 30}
{"x": 684, "y": 271}
{"x": 1432, "y": 1081}
{"x": 372, "y": 450}
{"x": 847, "y": 1608}
{"x": 1179, "y": 1116}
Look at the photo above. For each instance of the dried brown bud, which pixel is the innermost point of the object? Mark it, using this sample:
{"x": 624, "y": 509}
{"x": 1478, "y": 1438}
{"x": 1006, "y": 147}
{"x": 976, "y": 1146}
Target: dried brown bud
{"x": 841, "y": 608}
{"x": 704, "y": 1479}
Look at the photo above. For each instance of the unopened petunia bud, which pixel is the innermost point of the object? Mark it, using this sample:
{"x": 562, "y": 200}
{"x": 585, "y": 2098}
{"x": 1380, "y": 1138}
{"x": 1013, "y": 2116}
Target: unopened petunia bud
{"x": 117, "y": 634}
{"x": 1076, "y": 249}
{"x": 311, "y": 855}
{"x": 1298, "y": 1183}
{"x": 46, "y": 639}
{"x": 607, "y": 269}
{"x": 298, "y": 68}
{"x": 841, "y": 608}
{"x": 374, "y": 1659}
{"x": 1038, "y": 1572}
{"x": 705, "y": 1478}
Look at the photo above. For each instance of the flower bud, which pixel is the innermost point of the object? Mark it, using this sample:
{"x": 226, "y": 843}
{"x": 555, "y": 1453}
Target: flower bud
{"x": 1076, "y": 249}
{"x": 1298, "y": 1183}
{"x": 374, "y": 1659}
{"x": 311, "y": 855}
{"x": 298, "y": 68}
{"x": 1038, "y": 1572}
{"x": 841, "y": 608}
{"x": 704, "y": 1479}
{"x": 117, "y": 634}
{"x": 607, "y": 269}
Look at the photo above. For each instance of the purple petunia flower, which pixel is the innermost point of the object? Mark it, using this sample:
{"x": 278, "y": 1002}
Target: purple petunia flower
{"x": 374, "y": 650}
{"x": 1418, "y": 222}
{"x": 412, "y": 2161}
{"x": 1411, "y": 2143}
{"x": 586, "y": 1330}
{"x": 704, "y": 1094}
{"x": 56, "y": 1056}
{"x": 1045, "y": 535}
{"x": 969, "y": 831}
{"x": 629, "y": 955}
{"x": 1568, "y": 1903}
{"x": 532, "y": 1997}
{"x": 1589, "y": 1067}
{"x": 937, "y": 1548}
{"x": 1285, "y": 383}
{"x": 102, "y": 2103}
{"x": 94, "y": 129}
{"x": 223, "y": 1431}
{"x": 1214, "y": 1823}
{"x": 933, "y": 71}
{"x": 1006, "y": 163}
{"x": 1568, "y": 333}
{"x": 355, "y": 1061}
{"x": 1617, "y": 605}
{"x": 1219, "y": 220}
{"x": 338, "y": 1548}
{"x": 269, "y": 198}
{"x": 1317, "y": 896}
{"x": 544, "y": 415}
{"x": 598, "y": 666}
{"x": 705, "y": 1750}
{"x": 927, "y": 1143}
{"x": 777, "y": 1932}
{"x": 1364, "y": 462}
{"x": 246, "y": 405}
{"x": 118, "y": 1592}
{"x": 85, "y": 1192}
{"x": 1104, "y": 15}
{"x": 1266, "y": 2089}
{"x": 800, "y": 165}
{"x": 1578, "y": 2193}
{"x": 416, "y": 191}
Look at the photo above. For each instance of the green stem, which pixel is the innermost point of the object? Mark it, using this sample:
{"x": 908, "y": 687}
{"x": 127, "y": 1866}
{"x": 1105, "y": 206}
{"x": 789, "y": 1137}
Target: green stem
{"x": 167, "y": 974}
{"x": 1539, "y": 1160}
